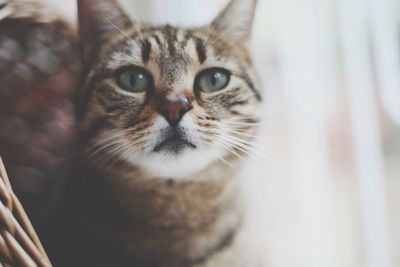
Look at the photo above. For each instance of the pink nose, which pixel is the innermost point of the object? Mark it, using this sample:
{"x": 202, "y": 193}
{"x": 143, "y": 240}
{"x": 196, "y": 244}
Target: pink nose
{"x": 174, "y": 110}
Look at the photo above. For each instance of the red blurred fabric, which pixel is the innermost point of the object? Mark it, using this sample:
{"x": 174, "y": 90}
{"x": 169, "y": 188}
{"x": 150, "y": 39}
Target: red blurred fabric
{"x": 39, "y": 71}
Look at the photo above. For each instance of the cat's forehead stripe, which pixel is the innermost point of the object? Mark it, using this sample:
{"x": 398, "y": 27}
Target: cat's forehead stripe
{"x": 170, "y": 35}
{"x": 177, "y": 41}
{"x": 178, "y": 45}
{"x": 157, "y": 39}
{"x": 201, "y": 50}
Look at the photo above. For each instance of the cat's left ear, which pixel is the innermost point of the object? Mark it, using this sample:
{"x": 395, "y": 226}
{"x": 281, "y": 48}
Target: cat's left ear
{"x": 236, "y": 20}
{"x": 99, "y": 21}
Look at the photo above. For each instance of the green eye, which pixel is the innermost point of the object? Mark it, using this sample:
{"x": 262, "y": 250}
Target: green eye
{"x": 134, "y": 80}
{"x": 212, "y": 80}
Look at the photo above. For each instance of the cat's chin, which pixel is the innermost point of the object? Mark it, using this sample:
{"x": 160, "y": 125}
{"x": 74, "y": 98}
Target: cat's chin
{"x": 182, "y": 165}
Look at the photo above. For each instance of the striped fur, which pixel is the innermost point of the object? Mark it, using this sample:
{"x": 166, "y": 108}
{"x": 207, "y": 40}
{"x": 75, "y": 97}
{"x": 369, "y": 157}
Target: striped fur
{"x": 141, "y": 206}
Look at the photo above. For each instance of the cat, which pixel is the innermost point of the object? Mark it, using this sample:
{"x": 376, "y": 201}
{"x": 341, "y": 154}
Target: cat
{"x": 164, "y": 116}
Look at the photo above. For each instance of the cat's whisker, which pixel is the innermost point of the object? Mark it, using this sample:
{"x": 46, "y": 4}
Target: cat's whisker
{"x": 238, "y": 131}
{"x": 136, "y": 147}
{"x": 220, "y": 157}
{"x": 101, "y": 148}
{"x": 119, "y": 155}
{"x": 236, "y": 120}
{"x": 225, "y": 144}
{"x": 245, "y": 146}
{"x": 243, "y": 116}
{"x": 122, "y": 150}
{"x": 255, "y": 137}
{"x": 129, "y": 147}
{"x": 101, "y": 159}
{"x": 103, "y": 143}
{"x": 232, "y": 150}
{"x": 240, "y": 140}
{"x": 232, "y": 147}
{"x": 242, "y": 123}
{"x": 119, "y": 30}
{"x": 110, "y": 135}
{"x": 227, "y": 141}
{"x": 133, "y": 23}
{"x": 113, "y": 156}
{"x": 104, "y": 150}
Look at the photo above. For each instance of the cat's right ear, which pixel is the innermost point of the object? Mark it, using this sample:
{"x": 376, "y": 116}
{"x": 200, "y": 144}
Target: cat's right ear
{"x": 236, "y": 20}
{"x": 99, "y": 21}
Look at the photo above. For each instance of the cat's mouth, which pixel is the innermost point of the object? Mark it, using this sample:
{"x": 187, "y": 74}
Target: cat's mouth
{"x": 174, "y": 144}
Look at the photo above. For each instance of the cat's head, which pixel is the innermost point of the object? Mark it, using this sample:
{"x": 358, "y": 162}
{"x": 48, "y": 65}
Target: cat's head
{"x": 166, "y": 99}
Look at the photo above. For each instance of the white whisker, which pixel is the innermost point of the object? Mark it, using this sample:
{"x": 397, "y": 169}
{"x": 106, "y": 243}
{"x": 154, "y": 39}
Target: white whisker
{"x": 220, "y": 157}
{"x": 244, "y": 146}
{"x": 118, "y": 29}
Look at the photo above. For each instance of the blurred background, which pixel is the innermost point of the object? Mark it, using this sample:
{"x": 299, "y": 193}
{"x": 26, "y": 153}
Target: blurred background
{"x": 324, "y": 189}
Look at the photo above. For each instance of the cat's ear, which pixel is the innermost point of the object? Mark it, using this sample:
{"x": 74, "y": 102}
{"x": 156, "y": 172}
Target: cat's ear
{"x": 100, "y": 20}
{"x": 236, "y": 20}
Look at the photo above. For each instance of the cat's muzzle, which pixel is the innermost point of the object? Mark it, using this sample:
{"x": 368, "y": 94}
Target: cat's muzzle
{"x": 174, "y": 141}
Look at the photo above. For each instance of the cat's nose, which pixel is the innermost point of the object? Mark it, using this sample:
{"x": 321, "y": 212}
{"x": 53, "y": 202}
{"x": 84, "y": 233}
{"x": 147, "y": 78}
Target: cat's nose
{"x": 173, "y": 110}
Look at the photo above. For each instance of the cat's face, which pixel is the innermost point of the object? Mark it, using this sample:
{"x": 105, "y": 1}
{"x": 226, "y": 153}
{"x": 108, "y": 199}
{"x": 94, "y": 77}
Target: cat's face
{"x": 168, "y": 100}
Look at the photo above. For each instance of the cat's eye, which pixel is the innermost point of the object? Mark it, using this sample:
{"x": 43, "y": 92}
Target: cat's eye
{"x": 212, "y": 80}
{"x": 134, "y": 80}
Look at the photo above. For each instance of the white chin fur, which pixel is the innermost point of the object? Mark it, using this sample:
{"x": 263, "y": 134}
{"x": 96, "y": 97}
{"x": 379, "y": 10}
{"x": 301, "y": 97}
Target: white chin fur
{"x": 181, "y": 166}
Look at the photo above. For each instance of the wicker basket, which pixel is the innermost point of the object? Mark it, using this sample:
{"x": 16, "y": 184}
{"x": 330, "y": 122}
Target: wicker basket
{"x": 19, "y": 243}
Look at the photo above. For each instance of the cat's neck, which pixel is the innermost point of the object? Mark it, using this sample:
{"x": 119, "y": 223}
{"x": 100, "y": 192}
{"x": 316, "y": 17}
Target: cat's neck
{"x": 139, "y": 215}
{"x": 127, "y": 185}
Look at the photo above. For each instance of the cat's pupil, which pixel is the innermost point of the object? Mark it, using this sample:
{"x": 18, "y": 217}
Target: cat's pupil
{"x": 215, "y": 78}
{"x": 136, "y": 79}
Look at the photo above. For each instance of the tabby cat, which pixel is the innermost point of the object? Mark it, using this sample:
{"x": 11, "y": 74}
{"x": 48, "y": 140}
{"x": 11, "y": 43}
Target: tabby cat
{"x": 165, "y": 116}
